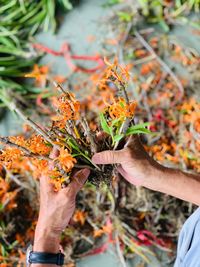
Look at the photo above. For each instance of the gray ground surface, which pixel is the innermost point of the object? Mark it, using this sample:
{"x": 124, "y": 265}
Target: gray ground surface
{"x": 81, "y": 22}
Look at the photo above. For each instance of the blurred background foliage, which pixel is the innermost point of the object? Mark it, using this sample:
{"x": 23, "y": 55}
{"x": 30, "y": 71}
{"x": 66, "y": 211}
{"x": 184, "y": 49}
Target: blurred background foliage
{"x": 168, "y": 12}
{"x": 19, "y": 21}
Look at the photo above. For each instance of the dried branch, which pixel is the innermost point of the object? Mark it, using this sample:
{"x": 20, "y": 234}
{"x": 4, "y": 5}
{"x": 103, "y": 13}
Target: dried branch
{"x": 162, "y": 63}
{"x": 59, "y": 87}
{"x": 123, "y": 41}
{"x": 88, "y": 134}
{"x": 36, "y": 127}
{"x": 9, "y": 199}
{"x": 17, "y": 181}
{"x": 143, "y": 60}
{"x": 83, "y": 122}
{"x": 118, "y": 250}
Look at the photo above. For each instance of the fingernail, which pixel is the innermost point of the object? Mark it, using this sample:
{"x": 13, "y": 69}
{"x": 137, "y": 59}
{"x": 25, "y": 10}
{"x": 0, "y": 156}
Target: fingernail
{"x": 85, "y": 172}
{"x": 95, "y": 158}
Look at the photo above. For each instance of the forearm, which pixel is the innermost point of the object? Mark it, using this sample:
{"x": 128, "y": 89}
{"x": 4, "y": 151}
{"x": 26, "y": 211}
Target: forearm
{"x": 176, "y": 183}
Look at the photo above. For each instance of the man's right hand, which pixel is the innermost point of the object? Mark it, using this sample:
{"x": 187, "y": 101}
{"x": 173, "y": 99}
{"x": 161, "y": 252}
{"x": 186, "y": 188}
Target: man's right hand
{"x": 135, "y": 165}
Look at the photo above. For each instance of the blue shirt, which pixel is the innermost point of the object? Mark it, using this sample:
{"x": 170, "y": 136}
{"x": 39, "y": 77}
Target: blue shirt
{"x": 188, "y": 253}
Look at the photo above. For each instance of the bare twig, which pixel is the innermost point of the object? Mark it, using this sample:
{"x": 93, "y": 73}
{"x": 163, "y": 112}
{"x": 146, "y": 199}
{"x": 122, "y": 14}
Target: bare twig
{"x": 59, "y": 87}
{"x": 162, "y": 63}
{"x": 36, "y": 127}
{"x": 118, "y": 250}
{"x": 9, "y": 199}
{"x": 88, "y": 134}
{"x": 123, "y": 41}
{"x": 17, "y": 181}
{"x": 143, "y": 60}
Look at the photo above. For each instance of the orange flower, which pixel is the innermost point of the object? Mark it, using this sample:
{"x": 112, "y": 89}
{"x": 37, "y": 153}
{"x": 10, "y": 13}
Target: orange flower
{"x": 35, "y": 144}
{"x": 80, "y": 216}
{"x": 57, "y": 183}
{"x": 121, "y": 110}
{"x": 39, "y": 73}
{"x": 116, "y": 73}
{"x": 67, "y": 105}
{"x": 106, "y": 229}
{"x": 59, "y": 121}
{"x": 66, "y": 160}
{"x": 59, "y": 78}
{"x": 38, "y": 167}
{"x": 197, "y": 125}
{"x": 12, "y": 158}
{"x": 20, "y": 239}
{"x": 4, "y": 186}
{"x": 140, "y": 53}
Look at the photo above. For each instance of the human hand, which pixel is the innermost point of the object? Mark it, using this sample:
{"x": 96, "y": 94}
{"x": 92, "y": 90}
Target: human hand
{"x": 134, "y": 163}
{"x": 56, "y": 209}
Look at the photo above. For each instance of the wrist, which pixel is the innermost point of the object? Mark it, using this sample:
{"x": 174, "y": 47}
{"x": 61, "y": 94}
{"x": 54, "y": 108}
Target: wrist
{"x": 156, "y": 172}
{"x": 46, "y": 240}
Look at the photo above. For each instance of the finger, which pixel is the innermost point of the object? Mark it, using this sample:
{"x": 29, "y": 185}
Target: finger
{"x": 130, "y": 179}
{"x": 132, "y": 140}
{"x": 109, "y": 157}
{"x": 54, "y": 153}
{"x": 45, "y": 184}
{"x": 78, "y": 180}
{"x": 124, "y": 174}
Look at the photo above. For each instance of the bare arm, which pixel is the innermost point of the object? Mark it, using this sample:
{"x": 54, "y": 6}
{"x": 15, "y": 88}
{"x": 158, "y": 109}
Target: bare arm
{"x": 178, "y": 184}
{"x": 137, "y": 167}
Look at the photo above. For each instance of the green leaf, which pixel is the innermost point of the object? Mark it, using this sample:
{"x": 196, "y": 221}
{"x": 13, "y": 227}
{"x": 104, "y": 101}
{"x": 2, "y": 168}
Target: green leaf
{"x": 66, "y": 4}
{"x": 75, "y": 155}
{"x": 124, "y": 16}
{"x": 104, "y": 125}
{"x": 3, "y": 251}
{"x": 111, "y": 3}
{"x": 14, "y": 244}
{"x": 141, "y": 125}
{"x": 138, "y": 129}
{"x": 1, "y": 207}
{"x": 73, "y": 144}
{"x": 115, "y": 122}
{"x": 164, "y": 26}
{"x": 118, "y": 137}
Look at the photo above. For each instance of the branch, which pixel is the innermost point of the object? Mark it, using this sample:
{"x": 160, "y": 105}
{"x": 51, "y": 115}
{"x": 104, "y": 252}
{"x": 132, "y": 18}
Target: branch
{"x": 162, "y": 63}
{"x": 59, "y": 87}
{"x": 123, "y": 41}
{"x": 36, "y": 127}
{"x": 83, "y": 122}
{"x": 88, "y": 134}
{"x": 119, "y": 252}
{"x": 17, "y": 181}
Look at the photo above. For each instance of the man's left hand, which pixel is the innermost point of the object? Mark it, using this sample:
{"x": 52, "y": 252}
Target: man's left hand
{"x": 56, "y": 210}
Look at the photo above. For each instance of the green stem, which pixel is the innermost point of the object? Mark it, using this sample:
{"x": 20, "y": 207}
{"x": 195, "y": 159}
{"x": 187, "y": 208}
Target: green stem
{"x": 81, "y": 153}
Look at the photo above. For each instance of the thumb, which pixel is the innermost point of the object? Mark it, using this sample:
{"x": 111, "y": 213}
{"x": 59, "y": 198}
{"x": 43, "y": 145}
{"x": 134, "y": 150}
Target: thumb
{"x": 109, "y": 157}
{"x": 54, "y": 153}
{"x": 78, "y": 180}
